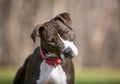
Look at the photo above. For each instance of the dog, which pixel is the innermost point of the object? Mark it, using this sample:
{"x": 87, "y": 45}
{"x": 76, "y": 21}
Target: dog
{"x": 51, "y": 62}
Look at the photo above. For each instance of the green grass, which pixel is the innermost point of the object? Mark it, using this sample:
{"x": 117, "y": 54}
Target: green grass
{"x": 85, "y": 76}
{"x": 7, "y": 75}
{"x": 95, "y": 76}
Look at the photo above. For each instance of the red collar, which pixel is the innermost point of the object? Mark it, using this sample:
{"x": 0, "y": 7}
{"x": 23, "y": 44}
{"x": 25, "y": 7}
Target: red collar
{"x": 51, "y": 61}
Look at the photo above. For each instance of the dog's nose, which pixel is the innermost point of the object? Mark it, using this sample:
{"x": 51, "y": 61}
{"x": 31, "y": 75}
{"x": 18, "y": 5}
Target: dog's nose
{"x": 68, "y": 51}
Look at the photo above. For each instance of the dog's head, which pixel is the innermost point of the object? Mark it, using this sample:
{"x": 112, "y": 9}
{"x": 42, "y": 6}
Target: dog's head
{"x": 57, "y": 36}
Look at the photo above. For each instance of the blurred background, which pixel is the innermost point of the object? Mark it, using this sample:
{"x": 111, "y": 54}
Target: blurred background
{"x": 97, "y": 28}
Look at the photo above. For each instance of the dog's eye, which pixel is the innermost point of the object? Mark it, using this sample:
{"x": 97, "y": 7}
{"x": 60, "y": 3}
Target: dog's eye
{"x": 52, "y": 43}
{"x": 50, "y": 40}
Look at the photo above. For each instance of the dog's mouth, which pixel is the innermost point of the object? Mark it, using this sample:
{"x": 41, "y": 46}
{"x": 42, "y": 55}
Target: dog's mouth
{"x": 66, "y": 54}
{"x": 49, "y": 58}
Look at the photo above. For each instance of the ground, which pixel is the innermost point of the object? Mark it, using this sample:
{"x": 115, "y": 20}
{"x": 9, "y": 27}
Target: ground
{"x": 83, "y": 76}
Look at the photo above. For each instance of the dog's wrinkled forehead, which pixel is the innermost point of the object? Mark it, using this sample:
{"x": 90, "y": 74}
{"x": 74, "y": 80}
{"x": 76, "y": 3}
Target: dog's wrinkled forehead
{"x": 64, "y": 18}
{"x": 62, "y": 25}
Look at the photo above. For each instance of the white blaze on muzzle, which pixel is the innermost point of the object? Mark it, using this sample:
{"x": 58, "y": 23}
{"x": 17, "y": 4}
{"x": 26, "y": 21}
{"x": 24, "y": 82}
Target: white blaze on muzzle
{"x": 70, "y": 45}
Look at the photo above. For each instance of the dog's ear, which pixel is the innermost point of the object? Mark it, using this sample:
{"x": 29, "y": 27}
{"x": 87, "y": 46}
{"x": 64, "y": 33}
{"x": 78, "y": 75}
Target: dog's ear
{"x": 64, "y": 18}
{"x": 36, "y": 32}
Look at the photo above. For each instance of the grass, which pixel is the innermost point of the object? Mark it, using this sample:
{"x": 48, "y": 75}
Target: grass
{"x": 7, "y": 75}
{"x": 84, "y": 76}
{"x": 95, "y": 76}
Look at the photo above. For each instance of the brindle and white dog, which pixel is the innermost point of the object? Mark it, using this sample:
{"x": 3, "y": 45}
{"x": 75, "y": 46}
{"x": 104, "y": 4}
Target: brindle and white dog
{"x": 51, "y": 63}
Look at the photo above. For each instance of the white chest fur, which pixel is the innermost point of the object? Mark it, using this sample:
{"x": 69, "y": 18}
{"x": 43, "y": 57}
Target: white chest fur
{"x": 51, "y": 74}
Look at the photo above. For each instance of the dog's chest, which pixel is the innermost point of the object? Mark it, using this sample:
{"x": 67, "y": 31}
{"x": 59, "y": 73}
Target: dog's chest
{"x": 51, "y": 74}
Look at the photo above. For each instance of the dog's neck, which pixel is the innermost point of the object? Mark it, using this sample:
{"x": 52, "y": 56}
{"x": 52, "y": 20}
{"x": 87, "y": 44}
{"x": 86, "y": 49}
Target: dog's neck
{"x": 51, "y": 70}
{"x": 51, "y": 75}
{"x": 49, "y": 60}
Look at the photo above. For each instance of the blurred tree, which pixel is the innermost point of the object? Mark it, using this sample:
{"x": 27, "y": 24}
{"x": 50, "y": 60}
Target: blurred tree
{"x": 4, "y": 43}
